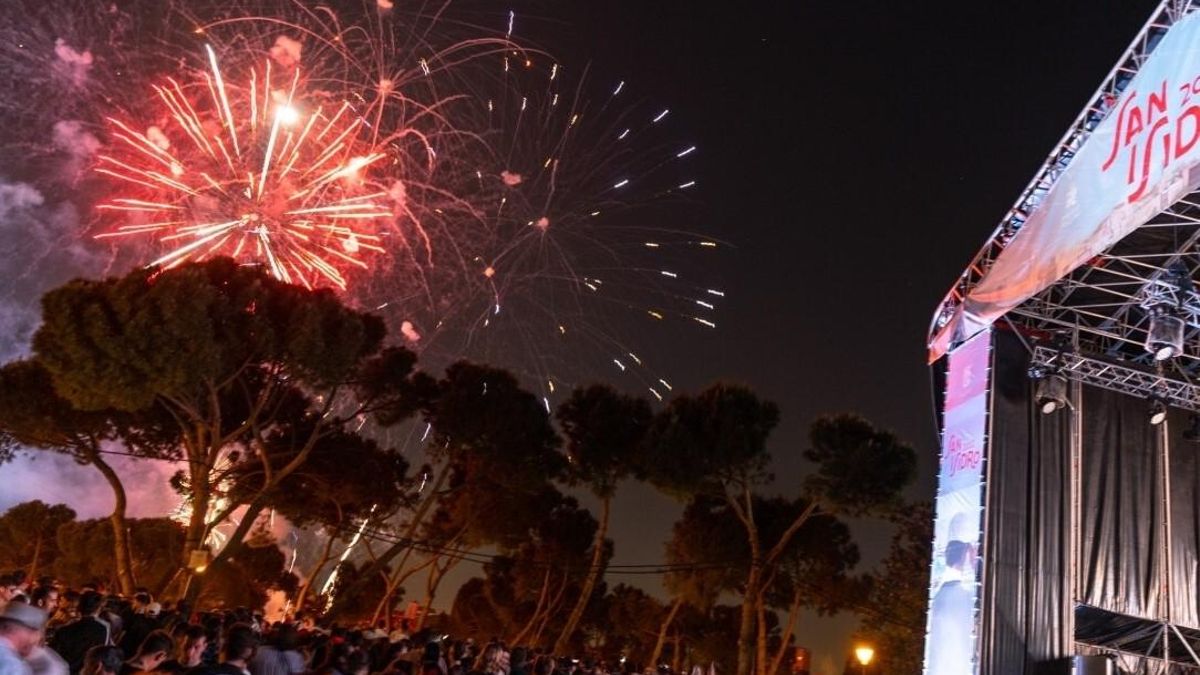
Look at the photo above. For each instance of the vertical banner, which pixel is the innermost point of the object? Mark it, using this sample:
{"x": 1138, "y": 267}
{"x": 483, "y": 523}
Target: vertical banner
{"x": 952, "y": 627}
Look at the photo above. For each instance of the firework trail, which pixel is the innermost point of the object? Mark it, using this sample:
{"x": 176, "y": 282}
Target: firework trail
{"x": 295, "y": 145}
{"x": 574, "y": 166}
{"x": 290, "y": 193}
{"x": 489, "y": 201}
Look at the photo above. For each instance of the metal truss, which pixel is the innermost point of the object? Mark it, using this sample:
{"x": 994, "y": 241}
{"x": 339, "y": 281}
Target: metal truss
{"x": 1099, "y": 106}
{"x": 1123, "y": 379}
{"x": 1105, "y": 304}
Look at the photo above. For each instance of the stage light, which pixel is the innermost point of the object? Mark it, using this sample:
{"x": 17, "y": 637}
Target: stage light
{"x": 1158, "y": 412}
{"x": 1051, "y": 393}
{"x": 1165, "y": 339}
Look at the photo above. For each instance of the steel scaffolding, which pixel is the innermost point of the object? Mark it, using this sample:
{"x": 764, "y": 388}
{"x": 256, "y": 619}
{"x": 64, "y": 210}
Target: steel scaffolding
{"x": 1117, "y": 377}
{"x": 1116, "y": 283}
{"x": 1092, "y": 325}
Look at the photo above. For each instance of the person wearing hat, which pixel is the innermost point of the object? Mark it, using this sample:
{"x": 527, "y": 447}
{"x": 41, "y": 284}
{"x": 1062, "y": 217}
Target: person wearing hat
{"x": 20, "y": 633}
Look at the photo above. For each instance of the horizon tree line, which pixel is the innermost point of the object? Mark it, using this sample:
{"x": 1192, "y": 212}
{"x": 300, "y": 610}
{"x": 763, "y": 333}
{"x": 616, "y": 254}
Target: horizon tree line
{"x": 273, "y": 398}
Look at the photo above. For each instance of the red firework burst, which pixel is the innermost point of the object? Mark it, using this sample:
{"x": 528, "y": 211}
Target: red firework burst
{"x": 260, "y": 173}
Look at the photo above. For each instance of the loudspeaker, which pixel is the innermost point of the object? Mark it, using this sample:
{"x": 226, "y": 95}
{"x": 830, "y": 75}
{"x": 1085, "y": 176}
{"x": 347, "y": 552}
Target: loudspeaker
{"x": 1094, "y": 665}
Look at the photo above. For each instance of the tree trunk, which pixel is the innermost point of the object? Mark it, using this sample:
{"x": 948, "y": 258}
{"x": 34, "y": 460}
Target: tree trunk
{"x": 311, "y": 578}
{"x": 232, "y": 546}
{"x": 37, "y": 553}
{"x": 746, "y": 630}
{"x": 238, "y": 538}
{"x": 551, "y": 610}
{"x": 589, "y": 583}
{"x": 405, "y": 544}
{"x": 122, "y": 550}
{"x": 436, "y": 576}
{"x": 537, "y": 610}
{"x": 381, "y": 607}
{"x": 196, "y": 532}
{"x": 662, "y": 632}
{"x": 793, "y": 615}
{"x": 760, "y": 611}
{"x": 676, "y": 652}
{"x": 392, "y": 583}
{"x": 430, "y": 584}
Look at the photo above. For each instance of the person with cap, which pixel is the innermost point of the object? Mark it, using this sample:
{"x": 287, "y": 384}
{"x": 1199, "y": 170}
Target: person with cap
{"x": 20, "y": 634}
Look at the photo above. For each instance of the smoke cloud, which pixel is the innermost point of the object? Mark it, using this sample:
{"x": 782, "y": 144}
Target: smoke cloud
{"x": 31, "y": 475}
{"x": 74, "y": 65}
{"x": 77, "y": 144}
{"x": 286, "y": 51}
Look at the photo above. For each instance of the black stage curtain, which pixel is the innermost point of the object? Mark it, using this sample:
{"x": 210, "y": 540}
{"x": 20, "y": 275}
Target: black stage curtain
{"x": 1185, "y": 521}
{"x": 1023, "y": 627}
{"x": 1122, "y": 505}
{"x": 1123, "y": 566}
{"x": 1025, "y": 599}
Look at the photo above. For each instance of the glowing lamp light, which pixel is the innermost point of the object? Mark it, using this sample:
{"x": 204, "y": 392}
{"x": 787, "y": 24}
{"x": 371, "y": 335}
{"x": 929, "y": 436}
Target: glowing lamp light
{"x": 864, "y": 655}
{"x": 1165, "y": 337}
{"x": 198, "y": 560}
{"x": 1158, "y": 412}
{"x": 1051, "y": 394}
{"x": 287, "y": 115}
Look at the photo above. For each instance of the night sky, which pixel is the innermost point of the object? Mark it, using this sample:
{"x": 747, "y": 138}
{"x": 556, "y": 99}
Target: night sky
{"x": 856, "y": 155}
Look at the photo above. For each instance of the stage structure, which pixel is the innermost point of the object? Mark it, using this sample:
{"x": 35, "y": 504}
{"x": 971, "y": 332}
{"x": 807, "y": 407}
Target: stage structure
{"x": 1067, "y": 358}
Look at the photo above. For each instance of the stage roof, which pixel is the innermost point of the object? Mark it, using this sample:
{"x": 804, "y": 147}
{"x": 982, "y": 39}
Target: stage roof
{"x": 1110, "y": 225}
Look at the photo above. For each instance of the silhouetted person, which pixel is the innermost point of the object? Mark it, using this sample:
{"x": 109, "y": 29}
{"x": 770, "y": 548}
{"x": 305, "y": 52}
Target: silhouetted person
{"x": 73, "y": 640}
{"x": 240, "y": 645}
{"x": 103, "y": 660}
{"x": 156, "y": 648}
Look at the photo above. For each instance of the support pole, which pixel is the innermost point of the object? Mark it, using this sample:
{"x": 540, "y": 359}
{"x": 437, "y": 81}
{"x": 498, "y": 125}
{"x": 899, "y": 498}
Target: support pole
{"x": 1164, "y": 587}
{"x": 1073, "y": 592}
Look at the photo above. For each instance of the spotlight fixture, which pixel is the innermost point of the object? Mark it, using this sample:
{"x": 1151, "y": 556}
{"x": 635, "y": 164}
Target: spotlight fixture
{"x": 1051, "y": 393}
{"x": 1158, "y": 411}
{"x": 1165, "y": 339}
{"x": 1192, "y": 433}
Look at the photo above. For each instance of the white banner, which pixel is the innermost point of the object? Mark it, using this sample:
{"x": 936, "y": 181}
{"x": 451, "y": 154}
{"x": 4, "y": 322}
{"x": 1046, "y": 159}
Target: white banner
{"x": 952, "y": 627}
{"x": 1141, "y": 159}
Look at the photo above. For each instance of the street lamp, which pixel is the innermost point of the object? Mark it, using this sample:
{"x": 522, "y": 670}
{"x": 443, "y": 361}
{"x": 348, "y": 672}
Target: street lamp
{"x": 864, "y": 655}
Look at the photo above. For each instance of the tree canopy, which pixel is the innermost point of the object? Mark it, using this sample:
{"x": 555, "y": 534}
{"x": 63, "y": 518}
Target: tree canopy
{"x": 279, "y": 399}
{"x": 27, "y": 538}
{"x": 894, "y": 615}
{"x": 237, "y": 361}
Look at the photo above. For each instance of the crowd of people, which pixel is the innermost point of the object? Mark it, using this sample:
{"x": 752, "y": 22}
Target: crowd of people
{"x": 46, "y": 629}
